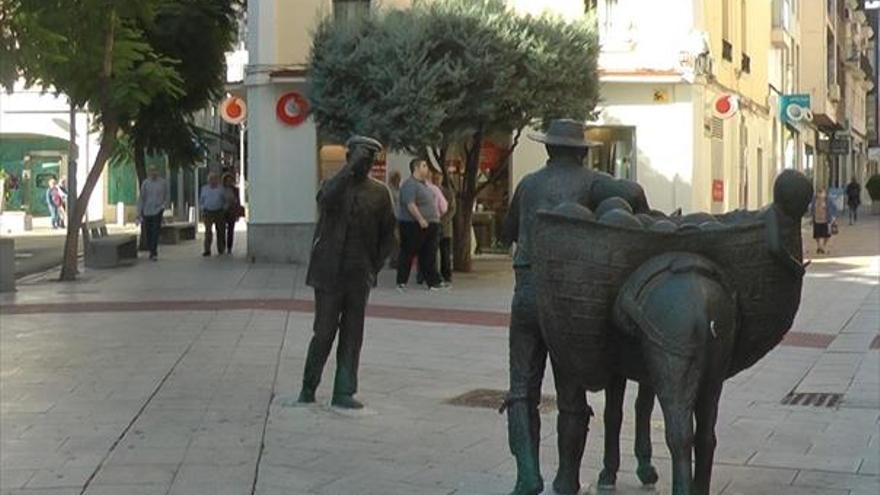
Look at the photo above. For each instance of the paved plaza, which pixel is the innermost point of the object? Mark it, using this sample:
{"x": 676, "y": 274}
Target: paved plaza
{"x": 164, "y": 378}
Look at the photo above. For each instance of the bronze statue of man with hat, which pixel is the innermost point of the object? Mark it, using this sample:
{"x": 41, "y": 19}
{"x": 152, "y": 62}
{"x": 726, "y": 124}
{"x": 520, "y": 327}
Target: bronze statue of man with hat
{"x": 565, "y": 179}
{"x": 352, "y": 240}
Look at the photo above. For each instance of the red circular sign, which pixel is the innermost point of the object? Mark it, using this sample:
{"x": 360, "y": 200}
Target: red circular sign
{"x": 292, "y": 108}
{"x": 234, "y": 110}
{"x": 726, "y": 106}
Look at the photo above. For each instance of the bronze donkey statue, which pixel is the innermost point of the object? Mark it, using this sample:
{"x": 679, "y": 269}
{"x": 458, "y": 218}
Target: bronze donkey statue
{"x": 679, "y": 308}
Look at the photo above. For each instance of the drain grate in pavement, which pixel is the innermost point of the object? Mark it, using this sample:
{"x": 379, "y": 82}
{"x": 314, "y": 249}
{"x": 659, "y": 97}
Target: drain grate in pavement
{"x": 815, "y": 399}
{"x": 492, "y": 399}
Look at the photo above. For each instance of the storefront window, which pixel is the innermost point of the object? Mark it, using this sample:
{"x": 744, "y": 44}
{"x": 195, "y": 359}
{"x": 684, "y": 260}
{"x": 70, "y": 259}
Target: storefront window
{"x": 617, "y": 153}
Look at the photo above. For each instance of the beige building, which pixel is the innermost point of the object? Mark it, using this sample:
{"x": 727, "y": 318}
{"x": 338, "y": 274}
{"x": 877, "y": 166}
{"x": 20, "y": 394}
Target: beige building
{"x": 837, "y": 76}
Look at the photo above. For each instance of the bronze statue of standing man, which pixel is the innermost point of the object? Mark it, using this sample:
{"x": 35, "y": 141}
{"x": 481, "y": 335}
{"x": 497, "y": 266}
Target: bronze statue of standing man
{"x": 352, "y": 240}
{"x": 564, "y": 179}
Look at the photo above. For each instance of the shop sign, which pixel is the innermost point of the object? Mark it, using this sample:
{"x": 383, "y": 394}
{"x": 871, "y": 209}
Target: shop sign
{"x": 839, "y": 146}
{"x": 233, "y": 110}
{"x": 490, "y": 154}
{"x": 380, "y": 166}
{"x": 717, "y": 190}
{"x": 795, "y": 109}
{"x": 292, "y": 108}
{"x": 725, "y": 106}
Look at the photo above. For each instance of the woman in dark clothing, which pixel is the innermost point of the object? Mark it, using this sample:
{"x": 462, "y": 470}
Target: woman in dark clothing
{"x": 853, "y": 199}
{"x": 234, "y": 210}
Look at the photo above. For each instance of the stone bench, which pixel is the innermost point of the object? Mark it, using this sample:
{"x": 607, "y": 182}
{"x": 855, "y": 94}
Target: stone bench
{"x": 7, "y": 264}
{"x": 107, "y": 251}
{"x": 174, "y": 232}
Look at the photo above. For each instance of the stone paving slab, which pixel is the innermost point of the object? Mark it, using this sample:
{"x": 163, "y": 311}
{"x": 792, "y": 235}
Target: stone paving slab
{"x": 185, "y": 402}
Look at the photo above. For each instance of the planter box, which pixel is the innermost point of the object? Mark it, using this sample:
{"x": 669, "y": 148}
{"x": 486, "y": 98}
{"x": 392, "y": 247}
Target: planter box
{"x": 13, "y": 222}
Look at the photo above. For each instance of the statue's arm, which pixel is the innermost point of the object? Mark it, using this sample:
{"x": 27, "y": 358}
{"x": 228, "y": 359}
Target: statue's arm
{"x": 331, "y": 192}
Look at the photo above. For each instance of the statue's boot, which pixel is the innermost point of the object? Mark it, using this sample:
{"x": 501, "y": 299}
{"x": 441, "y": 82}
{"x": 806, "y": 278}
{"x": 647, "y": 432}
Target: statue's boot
{"x": 523, "y": 436}
{"x": 571, "y": 431}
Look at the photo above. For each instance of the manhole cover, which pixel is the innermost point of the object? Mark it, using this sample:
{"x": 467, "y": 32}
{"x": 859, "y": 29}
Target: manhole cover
{"x": 492, "y": 399}
{"x": 815, "y": 399}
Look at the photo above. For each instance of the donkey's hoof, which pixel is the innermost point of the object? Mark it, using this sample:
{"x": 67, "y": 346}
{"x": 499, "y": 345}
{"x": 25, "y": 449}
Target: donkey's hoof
{"x": 647, "y": 474}
{"x": 607, "y": 480}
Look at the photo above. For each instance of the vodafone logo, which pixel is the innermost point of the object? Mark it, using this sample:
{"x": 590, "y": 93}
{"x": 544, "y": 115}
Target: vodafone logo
{"x": 292, "y": 108}
{"x": 233, "y": 110}
{"x": 725, "y": 106}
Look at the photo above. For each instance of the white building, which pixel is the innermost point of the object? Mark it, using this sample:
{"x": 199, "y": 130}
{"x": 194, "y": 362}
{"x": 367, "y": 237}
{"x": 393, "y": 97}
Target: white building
{"x": 34, "y": 142}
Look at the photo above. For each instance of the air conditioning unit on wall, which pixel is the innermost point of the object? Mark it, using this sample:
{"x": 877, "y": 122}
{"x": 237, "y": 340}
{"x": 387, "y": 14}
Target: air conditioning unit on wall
{"x": 834, "y": 92}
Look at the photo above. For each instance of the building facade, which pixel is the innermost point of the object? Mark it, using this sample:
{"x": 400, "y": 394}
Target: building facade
{"x": 703, "y": 102}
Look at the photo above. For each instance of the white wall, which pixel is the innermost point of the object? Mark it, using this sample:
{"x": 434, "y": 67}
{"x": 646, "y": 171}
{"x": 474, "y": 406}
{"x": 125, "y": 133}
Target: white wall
{"x": 282, "y": 162}
{"x": 32, "y": 112}
{"x": 664, "y": 138}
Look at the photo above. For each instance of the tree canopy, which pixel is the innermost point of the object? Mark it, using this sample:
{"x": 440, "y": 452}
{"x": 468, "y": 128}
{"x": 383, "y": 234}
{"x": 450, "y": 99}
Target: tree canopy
{"x": 449, "y": 73}
{"x": 109, "y": 56}
{"x": 440, "y": 71}
{"x": 195, "y": 34}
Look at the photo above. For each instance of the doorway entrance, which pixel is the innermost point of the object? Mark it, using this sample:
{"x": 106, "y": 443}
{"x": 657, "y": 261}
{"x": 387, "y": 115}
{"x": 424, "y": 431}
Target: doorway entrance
{"x": 617, "y": 154}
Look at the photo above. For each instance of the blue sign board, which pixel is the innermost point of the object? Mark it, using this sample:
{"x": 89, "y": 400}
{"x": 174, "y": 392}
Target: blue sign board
{"x": 795, "y": 109}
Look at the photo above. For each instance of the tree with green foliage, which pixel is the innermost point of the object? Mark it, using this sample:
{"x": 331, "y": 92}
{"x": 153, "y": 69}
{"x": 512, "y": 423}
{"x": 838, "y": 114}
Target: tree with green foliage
{"x": 196, "y": 34}
{"x": 114, "y": 57}
{"x": 446, "y": 75}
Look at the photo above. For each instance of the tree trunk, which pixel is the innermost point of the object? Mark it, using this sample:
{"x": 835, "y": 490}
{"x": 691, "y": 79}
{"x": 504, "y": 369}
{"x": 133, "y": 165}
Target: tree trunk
{"x": 140, "y": 162}
{"x": 467, "y": 196}
{"x": 108, "y": 143}
{"x": 140, "y": 168}
{"x": 71, "y": 243}
{"x": 461, "y": 240}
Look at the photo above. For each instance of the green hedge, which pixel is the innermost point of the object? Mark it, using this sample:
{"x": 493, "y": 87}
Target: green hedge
{"x": 873, "y": 187}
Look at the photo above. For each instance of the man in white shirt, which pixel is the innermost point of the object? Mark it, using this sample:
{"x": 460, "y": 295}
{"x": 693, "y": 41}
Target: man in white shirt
{"x": 213, "y": 203}
{"x": 151, "y": 205}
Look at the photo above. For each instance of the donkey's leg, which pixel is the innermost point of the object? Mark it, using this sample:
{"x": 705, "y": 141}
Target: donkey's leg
{"x": 613, "y": 418}
{"x": 644, "y": 407}
{"x": 705, "y": 441}
{"x": 680, "y": 440}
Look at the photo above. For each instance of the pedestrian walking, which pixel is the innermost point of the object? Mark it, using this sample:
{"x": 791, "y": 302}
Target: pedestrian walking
{"x": 352, "y": 240}
{"x": 824, "y": 214}
{"x": 150, "y": 206}
{"x": 418, "y": 222}
{"x": 853, "y": 199}
{"x": 212, "y": 202}
{"x": 442, "y": 206}
{"x": 234, "y": 209}
{"x": 446, "y": 229}
{"x": 54, "y": 201}
{"x": 62, "y": 208}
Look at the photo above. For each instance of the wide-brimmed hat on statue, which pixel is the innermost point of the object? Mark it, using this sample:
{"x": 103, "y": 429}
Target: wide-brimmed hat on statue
{"x": 564, "y": 132}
